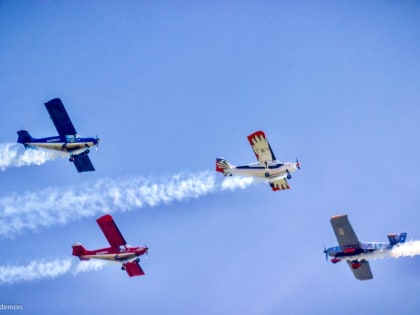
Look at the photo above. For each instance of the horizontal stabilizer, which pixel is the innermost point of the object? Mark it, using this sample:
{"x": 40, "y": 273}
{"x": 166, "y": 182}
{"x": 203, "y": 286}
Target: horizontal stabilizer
{"x": 82, "y": 163}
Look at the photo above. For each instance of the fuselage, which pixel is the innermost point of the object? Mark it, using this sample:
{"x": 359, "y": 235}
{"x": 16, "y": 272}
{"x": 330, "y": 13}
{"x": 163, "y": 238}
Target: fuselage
{"x": 273, "y": 169}
{"x": 124, "y": 253}
{"x": 362, "y": 252}
{"x": 70, "y": 144}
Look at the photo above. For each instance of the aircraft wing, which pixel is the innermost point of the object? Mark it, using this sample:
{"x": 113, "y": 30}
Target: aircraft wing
{"x": 344, "y": 232}
{"x": 133, "y": 269}
{"x": 82, "y": 163}
{"x": 261, "y": 147}
{"x": 363, "y": 272}
{"x": 60, "y": 117}
{"x": 279, "y": 184}
{"x": 111, "y": 231}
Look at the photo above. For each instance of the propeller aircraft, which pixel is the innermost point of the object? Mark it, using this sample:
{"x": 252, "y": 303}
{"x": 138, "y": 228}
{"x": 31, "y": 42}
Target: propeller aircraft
{"x": 119, "y": 251}
{"x": 67, "y": 141}
{"x": 355, "y": 252}
{"x": 267, "y": 167}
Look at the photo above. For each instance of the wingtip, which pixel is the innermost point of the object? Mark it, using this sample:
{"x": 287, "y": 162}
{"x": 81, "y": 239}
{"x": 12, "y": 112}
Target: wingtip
{"x": 105, "y": 217}
{"x": 256, "y": 133}
{"x": 338, "y": 216}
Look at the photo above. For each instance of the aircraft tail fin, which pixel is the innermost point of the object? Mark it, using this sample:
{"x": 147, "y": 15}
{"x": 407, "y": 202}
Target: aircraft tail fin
{"x": 395, "y": 238}
{"x": 222, "y": 165}
{"x": 79, "y": 250}
{"x": 402, "y": 238}
{"x": 24, "y": 137}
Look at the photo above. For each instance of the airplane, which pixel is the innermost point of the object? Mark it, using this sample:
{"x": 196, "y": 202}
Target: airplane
{"x": 119, "y": 251}
{"x": 267, "y": 167}
{"x": 355, "y": 252}
{"x": 67, "y": 141}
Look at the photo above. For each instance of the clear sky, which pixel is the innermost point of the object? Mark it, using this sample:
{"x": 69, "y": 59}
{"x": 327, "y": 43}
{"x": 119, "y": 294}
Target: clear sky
{"x": 169, "y": 86}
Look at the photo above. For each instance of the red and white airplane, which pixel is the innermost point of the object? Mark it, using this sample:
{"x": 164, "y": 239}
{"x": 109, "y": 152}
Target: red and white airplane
{"x": 119, "y": 250}
{"x": 267, "y": 167}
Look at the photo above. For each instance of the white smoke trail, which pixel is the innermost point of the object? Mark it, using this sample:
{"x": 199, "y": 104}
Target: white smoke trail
{"x": 14, "y": 155}
{"x": 38, "y": 270}
{"x": 408, "y": 249}
{"x": 54, "y": 206}
{"x": 89, "y": 265}
{"x": 33, "y": 271}
{"x": 234, "y": 182}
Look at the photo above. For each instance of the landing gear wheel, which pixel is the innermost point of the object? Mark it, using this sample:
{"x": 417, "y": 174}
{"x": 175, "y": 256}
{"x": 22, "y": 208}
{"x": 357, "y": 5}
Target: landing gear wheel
{"x": 267, "y": 174}
{"x": 289, "y": 176}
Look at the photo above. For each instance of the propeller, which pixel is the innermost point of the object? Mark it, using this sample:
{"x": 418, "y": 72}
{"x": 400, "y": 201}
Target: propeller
{"x": 297, "y": 164}
{"x": 147, "y": 251}
{"x": 97, "y": 142}
{"x": 326, "y": 253}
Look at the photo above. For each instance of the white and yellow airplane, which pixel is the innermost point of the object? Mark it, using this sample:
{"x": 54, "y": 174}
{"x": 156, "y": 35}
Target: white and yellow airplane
{"x": 267, "y": 167}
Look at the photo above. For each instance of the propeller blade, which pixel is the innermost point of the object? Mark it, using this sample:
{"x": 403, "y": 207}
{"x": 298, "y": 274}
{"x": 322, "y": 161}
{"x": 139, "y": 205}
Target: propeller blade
{"x": 326, "y": 253}
{"x": 97, "y": 142}
{"x": 297, "y": 164}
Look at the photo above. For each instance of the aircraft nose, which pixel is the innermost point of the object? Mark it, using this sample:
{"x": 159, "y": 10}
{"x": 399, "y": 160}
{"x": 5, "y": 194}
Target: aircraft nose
{"x": 97, "y": 140}
{"x": 143, "y": 250}
{"x": 326, "y": 253}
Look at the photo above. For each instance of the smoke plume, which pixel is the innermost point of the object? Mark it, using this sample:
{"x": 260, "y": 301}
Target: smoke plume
{"x": 407, "y": 249}
{"x": 39, "y": 270}
{"x": 58, "y": 206}
{"x": 14, "y": 155}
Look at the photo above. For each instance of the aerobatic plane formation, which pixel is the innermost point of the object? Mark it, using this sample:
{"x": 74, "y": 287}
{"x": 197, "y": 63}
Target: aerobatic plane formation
{"x": 355, "y": 252}
{"x": 267, "y": 167}
{"x": 276, "y": 173}
{"x": 67, "y": 141}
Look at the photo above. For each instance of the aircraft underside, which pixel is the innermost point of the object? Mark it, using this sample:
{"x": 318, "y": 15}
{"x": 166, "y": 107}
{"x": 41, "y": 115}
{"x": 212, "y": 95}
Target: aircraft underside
{"x": 112, "y": 257}
{"x": 259, "y": 172}
{"x": 74, "y": 148}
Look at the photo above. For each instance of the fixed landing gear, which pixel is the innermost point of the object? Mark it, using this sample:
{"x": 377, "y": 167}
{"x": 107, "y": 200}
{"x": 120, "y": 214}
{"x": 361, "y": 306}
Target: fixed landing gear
{"x": 288, "y": 175}
{"x": 267, "y": 173}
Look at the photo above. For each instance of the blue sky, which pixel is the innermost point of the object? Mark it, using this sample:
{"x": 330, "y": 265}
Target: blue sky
{"x": 171, "y": 85}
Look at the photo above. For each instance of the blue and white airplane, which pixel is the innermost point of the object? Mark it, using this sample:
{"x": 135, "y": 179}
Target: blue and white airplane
{"x": 67, "y": 141}
{"x": 267, "y": 167}
{"x": 355, "y": 252}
